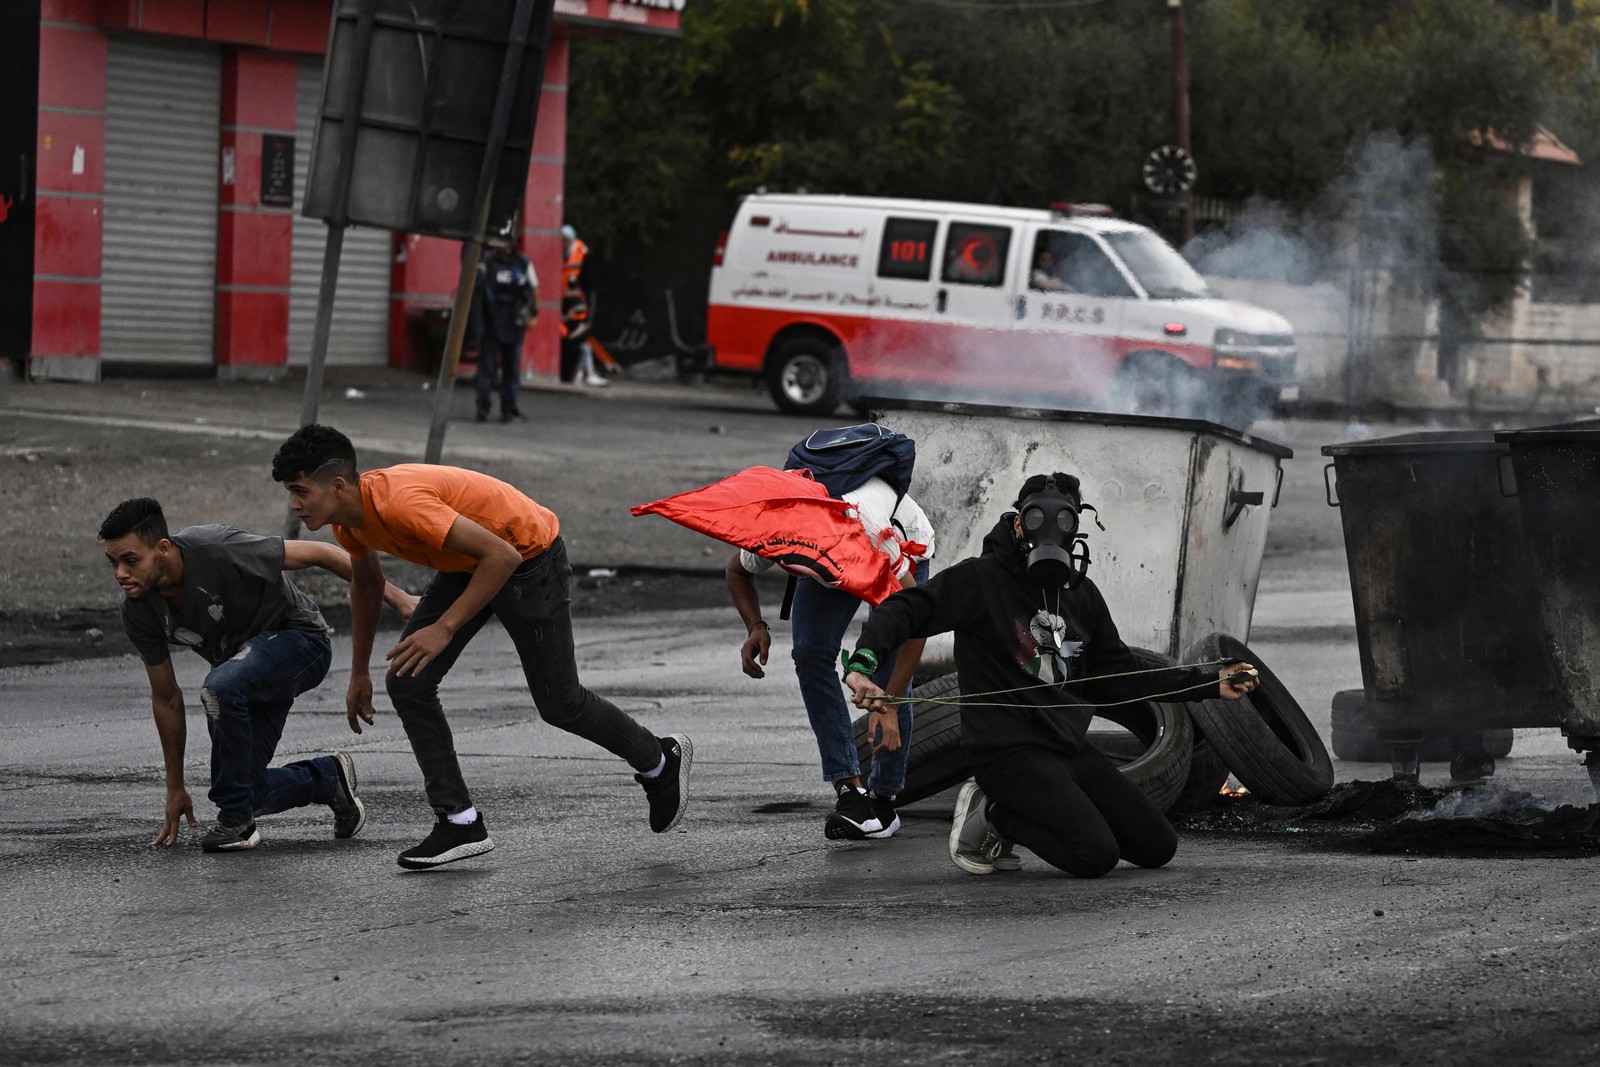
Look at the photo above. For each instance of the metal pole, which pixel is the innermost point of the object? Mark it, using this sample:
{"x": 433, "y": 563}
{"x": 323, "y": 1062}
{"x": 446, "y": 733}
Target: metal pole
{"x": 331, "y": 254}
{"x": 472, "y": 248}
{"x": 1180, "y": 101}
{"x": 333, "y": 251}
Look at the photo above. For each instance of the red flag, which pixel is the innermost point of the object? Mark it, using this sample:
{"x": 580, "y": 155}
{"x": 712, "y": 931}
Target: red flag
{"x": 787, "y": 517}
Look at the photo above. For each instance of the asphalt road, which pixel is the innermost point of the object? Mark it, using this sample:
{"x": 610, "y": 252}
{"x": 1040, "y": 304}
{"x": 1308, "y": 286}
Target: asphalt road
{"x": 742, "y": 938}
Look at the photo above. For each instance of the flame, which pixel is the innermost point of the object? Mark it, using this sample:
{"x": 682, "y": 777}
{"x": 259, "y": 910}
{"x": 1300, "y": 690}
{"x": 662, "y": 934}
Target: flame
{"x": 1233, "y": 788}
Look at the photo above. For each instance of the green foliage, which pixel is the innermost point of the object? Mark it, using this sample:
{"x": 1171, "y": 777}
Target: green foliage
{"x": 1002, "y": 102}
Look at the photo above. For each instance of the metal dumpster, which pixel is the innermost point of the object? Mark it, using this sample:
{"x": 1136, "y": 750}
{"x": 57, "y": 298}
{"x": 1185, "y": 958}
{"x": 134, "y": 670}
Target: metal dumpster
{"x": 1448, "y": 623}
{"x": 1557, "y": 472}
{"x": 1185, "y": 504}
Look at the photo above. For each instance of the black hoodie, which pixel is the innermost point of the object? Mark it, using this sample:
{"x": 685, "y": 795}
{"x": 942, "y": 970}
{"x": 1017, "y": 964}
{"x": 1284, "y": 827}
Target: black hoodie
{"x": 1004, "y": 641}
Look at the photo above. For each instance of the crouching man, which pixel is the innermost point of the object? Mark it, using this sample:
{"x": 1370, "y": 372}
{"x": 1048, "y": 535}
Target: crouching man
{"x": 1036, "y": 643}
{"x": 223, "y": 593}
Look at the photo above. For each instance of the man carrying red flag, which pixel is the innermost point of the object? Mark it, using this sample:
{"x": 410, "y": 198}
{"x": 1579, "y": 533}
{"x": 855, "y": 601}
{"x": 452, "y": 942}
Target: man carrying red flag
{"x": 864, "y": 545}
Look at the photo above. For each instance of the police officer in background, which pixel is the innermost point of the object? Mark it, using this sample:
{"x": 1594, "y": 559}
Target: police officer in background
{"x": 507, "y": 303}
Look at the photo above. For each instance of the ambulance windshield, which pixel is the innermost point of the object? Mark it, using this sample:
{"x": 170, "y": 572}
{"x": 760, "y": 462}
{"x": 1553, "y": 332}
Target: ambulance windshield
{"x": 1164, "y": 274}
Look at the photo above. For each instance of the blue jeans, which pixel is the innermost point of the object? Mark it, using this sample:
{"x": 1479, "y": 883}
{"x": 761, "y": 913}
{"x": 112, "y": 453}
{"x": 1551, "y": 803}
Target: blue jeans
{"x": 507, "y": 356}
{"x": 820, "y": 618}
{"x": 247, "y": 700}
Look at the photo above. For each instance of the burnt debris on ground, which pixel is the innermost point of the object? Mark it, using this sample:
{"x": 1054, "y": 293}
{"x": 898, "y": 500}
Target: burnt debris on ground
{"x": 1394, "y": 816}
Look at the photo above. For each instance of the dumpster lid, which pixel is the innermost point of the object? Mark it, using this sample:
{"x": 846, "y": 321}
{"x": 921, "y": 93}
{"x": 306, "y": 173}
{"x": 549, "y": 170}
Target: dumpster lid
{"x": 1421, "y": 441}
{"x": 1100, "y": 418}
{"x": 1584, "y": 431}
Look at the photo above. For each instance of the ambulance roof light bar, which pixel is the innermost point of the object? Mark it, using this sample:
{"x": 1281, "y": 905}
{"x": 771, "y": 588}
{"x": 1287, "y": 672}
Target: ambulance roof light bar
{"x": 1062, "y": 208}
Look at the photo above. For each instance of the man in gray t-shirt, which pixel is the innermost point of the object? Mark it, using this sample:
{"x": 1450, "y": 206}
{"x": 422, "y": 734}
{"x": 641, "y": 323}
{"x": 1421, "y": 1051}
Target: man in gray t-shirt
{"x": 233, "y": 588}
{"x": 222, "y": 592}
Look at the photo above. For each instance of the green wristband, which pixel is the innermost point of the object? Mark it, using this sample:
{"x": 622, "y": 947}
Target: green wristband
{"x": 865, "y": 661}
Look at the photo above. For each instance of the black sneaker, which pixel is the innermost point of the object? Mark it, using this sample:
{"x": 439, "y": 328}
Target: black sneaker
{"x": 222, "y": 838}
{"x": 448, "y": 843}
{"x": 483, "y": 415}
{"x": 349, "y": 814}
{"x": 668, "y": 792}
{"x": 888, "y": 818}
{"x": 852, "y": 818}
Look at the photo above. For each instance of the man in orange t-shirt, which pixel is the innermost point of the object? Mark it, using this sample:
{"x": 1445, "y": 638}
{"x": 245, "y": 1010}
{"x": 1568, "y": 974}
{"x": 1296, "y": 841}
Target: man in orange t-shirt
{"x": 496, "y": 553}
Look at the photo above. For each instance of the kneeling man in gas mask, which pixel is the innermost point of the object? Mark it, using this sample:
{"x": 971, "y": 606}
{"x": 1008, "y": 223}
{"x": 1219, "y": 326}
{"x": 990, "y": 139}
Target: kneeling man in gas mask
{"x": 1037, "y": 651}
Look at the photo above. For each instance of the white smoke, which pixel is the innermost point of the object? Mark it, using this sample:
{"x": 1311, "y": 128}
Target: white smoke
{"x": 1378, "y": 214}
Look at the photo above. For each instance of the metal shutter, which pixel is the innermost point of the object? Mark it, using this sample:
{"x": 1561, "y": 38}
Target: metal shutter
{"x": 360, "y": 333}
{"x": 159, "y": 265}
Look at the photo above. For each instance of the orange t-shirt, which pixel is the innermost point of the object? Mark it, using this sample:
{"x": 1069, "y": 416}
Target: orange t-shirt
{"x": 408, "y": 509}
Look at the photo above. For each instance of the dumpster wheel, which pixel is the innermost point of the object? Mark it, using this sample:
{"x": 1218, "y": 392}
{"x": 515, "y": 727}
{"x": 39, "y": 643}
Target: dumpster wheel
{"x": 1163, "y": 734}
{"x": 1265, "y": 738}
{"x": 1352, "y": 737}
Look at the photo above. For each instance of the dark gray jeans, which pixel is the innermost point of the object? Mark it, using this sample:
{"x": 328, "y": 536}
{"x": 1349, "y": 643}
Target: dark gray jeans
{"x": 533, "y": 606}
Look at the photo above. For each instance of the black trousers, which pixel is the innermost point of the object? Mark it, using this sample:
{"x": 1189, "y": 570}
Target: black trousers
{"x": 1078, "y": 813}
{"x": 533, "y": 606}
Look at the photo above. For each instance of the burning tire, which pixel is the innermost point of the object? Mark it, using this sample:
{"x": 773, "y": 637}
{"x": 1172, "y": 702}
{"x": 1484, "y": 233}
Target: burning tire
{"x": 1208, "y": 773}
{"x": 1164, "y": 737}
{"x": 1265, "y": 739}
{"x": 1353, "y": 737}
{"x": 1152, "y": 748}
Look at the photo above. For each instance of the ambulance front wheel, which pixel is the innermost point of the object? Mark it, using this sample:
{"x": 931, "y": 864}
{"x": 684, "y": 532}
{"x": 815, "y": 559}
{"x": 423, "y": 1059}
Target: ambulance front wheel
{"x": 807, "y": 376}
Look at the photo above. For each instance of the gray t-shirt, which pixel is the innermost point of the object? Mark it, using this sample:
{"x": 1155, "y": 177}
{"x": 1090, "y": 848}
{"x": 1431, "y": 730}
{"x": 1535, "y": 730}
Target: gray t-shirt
{"x": 233, "y": 589}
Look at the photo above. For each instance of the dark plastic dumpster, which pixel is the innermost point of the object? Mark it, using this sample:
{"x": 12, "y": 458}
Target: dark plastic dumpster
{"x": 1557, "y": 488}
{"x": 1451, "y": 637}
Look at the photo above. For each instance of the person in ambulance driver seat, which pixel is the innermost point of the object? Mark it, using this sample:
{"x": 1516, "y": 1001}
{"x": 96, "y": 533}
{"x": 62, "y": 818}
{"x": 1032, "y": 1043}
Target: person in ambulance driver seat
{"x": 821, "y": 616}
{"x": 223, "y": 593}
{"x": 497, "y": 553}
{"x": 1034, "y": 636}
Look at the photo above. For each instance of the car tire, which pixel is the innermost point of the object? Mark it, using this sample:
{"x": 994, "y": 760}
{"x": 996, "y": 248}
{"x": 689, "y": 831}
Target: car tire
{"x": 807, "y": 375}
{"x": 1162, "y": 733}
{"x": 1208, "y": 773}
{"x": 1265, "y": 738}
{"x": 936, "y": 761}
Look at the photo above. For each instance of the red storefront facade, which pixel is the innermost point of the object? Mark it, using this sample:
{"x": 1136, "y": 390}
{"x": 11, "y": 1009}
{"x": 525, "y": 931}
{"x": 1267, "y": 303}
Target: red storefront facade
{"x": 136, "y": 258}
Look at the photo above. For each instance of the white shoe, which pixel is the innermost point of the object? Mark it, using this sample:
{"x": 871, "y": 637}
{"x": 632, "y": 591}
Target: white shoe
{"x": 970, "y": 832}
{"x": 594, "y": 379}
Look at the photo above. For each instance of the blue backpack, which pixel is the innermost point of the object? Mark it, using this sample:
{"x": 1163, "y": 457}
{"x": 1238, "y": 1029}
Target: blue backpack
{"x": 845, "y": 459}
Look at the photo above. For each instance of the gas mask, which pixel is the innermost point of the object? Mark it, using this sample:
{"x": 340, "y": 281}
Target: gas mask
{"x": 1057, "y": 553}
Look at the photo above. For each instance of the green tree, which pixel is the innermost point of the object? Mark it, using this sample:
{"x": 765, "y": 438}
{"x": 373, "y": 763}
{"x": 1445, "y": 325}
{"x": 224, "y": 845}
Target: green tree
{"x": 1002, "y": 101}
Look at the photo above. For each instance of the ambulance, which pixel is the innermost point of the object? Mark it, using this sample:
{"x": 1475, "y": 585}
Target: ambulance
{"x": 842, "y": 299}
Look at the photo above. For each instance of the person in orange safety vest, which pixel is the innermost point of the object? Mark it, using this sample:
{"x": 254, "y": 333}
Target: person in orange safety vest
{"x": 577, "y": 361}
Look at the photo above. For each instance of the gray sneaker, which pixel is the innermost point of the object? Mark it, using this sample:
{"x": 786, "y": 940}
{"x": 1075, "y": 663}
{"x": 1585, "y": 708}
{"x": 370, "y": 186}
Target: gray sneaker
{"x": 970, "y": 832}
{"x": 1002, "y": 856}
{"x": 349, "y": 814}
{"x": 223, "y": 838}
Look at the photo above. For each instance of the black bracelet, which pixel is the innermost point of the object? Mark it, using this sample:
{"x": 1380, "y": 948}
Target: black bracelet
{"x": 759, "y": 622}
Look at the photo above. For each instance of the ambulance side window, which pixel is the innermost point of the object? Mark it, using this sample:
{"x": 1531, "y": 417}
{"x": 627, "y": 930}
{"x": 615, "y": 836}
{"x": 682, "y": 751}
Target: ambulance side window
{"x": 1078, "y": 264}
{"x": 907, "y": 249}
{"x": 975, "y": 254}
